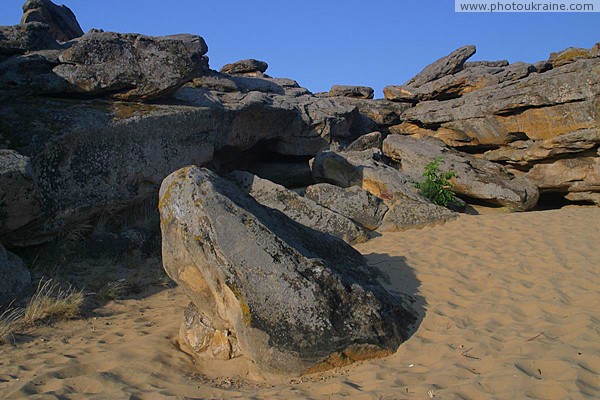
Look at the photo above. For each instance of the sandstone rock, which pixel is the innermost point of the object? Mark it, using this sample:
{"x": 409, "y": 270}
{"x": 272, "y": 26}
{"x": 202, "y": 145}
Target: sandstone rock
{"x": 527, "y": 152}
{"x": 400, "y": 94}
{"x": 19, "y": 196}
{"x": 475, "y": 178}
{"x": 570, "y": 55}
{"x": 131, "y": 66}
{"x": 300, "y": 209}
{"x": 297, "y": 300}
{"x": 381, "y": 111}
{"x": 19, "y": 39}
{"x": 360, "y": 92}
{"x": 244, "y": 66}
{"x": 592, "y": 197}
{"x": 354, "y": 203}
{"x": 447, "y": 65}
{"x": 568, "y": 175}
{"x": 473, "y": 64}
{"x": 15, "y": 277}
{"x": 409, "y": 214}
{"x": 363, "y": 169}
{"x": 61, "y": 20}
{"x": 540, "y": 106}
{"x": 372, "y": 140}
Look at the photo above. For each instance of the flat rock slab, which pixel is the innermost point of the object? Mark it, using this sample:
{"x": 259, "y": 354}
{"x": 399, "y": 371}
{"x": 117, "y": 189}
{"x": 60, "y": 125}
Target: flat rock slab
{"x": 294, "y": 300}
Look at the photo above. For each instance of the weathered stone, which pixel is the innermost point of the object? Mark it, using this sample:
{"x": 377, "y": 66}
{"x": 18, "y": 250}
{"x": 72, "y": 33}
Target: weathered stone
{"x": 372, "y": 140}
{"x": 540, "y": 106}
{"x": 354, "y": 203}
{"x": 381, "y": 111}
{"x": 400, "y": 94}
{"x": 362, "y": 169}
{"x": 409, "y": 214}
{"x": 475, "y": 178}
{"x": 300, "y": 209}
{"x": 448, "y": 65}
{"x": 529, "y": 151}
{"x": 19, "y": 39}
{"x": 474, "y": 64}
{"x": 244, "y": 66}
{"x": 591, "y": 197}
{"x": 297, "y": 300}
{"x": 570, "y": 55}
{"x": 61, "y": 20}
{"x": 19, "y": 196}
{"x": 568, "y": 175}
{"x": 15, "y": 277}
{"x": 132, "y": 66}
{"x": 359, "y": 92}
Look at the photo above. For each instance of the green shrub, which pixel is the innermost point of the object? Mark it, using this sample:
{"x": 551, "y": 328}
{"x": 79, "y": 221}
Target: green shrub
{"x": 436, "y": 186}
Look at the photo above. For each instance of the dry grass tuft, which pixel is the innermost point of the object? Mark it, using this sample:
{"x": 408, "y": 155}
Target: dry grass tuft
{"x": 9, "y": 323}
{"x": 52, "y": 303}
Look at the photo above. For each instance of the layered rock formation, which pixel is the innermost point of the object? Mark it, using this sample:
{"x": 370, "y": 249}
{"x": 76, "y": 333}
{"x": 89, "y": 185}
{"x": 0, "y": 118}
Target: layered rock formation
{"x": 525, "y": 116}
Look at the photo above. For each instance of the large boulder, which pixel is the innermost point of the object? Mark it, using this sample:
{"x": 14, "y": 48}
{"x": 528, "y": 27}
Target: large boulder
{"x": 61, "y": 20}
{"x": 291, "y": 299}
{"x": 20, "y": 201}
{"x": 354, "y": 203}
{"x": 447, "y": 65}
{"x": 131, "y": 66}
{"x": 15, "y": 276}
{"x": 300, "y": 209}
{"x": 475, "y": 178}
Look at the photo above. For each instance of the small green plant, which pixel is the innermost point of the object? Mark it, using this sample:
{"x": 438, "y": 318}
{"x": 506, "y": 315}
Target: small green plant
{"x": 436, "y": 186}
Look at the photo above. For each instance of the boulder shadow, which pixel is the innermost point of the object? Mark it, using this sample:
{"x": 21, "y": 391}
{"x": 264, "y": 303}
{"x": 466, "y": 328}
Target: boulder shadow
{"x": 399, "y": 278}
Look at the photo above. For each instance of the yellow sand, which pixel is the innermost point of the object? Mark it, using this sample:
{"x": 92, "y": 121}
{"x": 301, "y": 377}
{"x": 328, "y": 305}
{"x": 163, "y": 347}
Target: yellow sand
{"x": 510, "y": 310}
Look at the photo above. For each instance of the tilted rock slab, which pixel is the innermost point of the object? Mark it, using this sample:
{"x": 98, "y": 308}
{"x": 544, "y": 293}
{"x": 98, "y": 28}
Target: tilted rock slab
{"x": 354, "y": 203}
{"x": 476, "y": 178}
{"x": 289, "y": 298}
{"x": 300, "y": 209}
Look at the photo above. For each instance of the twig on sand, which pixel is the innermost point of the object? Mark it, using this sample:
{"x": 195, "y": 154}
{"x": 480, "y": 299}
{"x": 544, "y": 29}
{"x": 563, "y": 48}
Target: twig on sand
{"x": 466, "y": 354}
{"x": 535, "y": 337}
{"x": 540, "y": 334}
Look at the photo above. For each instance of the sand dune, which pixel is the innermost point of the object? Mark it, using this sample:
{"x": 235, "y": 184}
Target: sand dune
{"x": 510, "y": 307}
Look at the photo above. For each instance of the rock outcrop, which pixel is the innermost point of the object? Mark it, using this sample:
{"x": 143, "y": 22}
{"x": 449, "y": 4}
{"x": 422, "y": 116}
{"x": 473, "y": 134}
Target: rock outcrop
{"x": 289, "y": 298}
{"x": 61, "y": 20}
{"x": 300, "y": 209}
{"x": 475, "y": 178}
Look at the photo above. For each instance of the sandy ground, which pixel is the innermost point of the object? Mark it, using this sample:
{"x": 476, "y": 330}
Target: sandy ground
{"x": 510, "y": 307}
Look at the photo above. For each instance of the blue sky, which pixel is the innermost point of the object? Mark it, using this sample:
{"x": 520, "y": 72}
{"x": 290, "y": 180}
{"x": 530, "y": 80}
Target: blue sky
{"x": 321, "y": 43}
